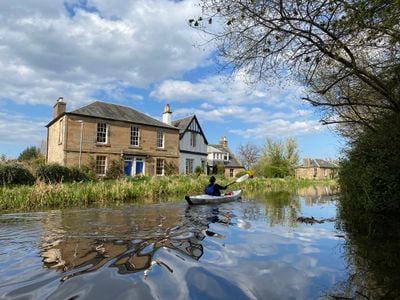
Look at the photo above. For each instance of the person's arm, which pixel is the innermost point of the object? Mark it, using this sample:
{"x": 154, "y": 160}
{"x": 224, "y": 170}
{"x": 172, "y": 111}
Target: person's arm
{"x": 222, "y": 187}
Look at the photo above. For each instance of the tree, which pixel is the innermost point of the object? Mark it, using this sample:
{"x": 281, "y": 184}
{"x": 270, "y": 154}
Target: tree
{"x": 345, "y": 52}
{"x": 249, "y": 154}
{"x": 278, "y": 158}
{"x": 29, "y": 154}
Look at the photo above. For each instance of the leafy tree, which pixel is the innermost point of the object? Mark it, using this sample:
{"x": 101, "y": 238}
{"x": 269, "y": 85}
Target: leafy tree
{"x": 29, "y": 154}
{"x": 249, "y": 154}
{"x": 345, "y": 52}
{"x": 278, "y": 158}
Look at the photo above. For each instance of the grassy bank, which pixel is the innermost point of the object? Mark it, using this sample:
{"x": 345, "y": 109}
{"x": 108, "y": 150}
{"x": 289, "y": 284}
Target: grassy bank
{"x": 44, "y": 196}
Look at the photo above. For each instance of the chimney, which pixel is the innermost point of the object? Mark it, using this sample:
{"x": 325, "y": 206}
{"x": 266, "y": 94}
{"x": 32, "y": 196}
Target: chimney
{"x": 166, "y": 116}
{"x": 306, "y": 162}
{"x": 59, "y": 108}
{"x": 223, "y": 141}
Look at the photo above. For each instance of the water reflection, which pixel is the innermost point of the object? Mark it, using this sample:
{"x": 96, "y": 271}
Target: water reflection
{"x": 76, "y": 249}
{"x": 242, "y": 250}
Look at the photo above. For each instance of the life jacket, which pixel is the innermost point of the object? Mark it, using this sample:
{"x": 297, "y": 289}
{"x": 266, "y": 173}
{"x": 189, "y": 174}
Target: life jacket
{"x": 209, "y": 190}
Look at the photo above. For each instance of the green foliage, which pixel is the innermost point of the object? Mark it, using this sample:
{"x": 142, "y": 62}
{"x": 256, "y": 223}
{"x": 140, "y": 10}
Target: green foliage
{"x": 115, "y": 169}
{"x": 30, "y": 153}
{"x": 278, "y": 159}
{"x": 15, "y": 174}
{"x": 199, "y": 170}
{"x": 369, "y": 176}
{"x": 54, "y": 173}
{"x": 220, "y": 169}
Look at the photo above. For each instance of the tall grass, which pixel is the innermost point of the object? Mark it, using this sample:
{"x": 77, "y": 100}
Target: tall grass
{"x": 61, "y": 195}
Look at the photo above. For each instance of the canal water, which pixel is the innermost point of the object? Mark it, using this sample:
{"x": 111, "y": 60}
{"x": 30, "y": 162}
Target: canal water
{"x": 253, "y": 249}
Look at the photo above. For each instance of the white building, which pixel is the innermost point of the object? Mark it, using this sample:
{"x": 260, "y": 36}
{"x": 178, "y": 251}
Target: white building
{"x": 220, "y": 154}
{"x": 192, "y": 145}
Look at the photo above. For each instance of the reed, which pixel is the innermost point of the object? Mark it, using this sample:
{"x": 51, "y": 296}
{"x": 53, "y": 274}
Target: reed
{"x": 82, "y": 194}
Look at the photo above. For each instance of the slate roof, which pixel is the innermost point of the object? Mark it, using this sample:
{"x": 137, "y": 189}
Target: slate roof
{"x": 182, "y": 124}
{"x": 318, "y": 163}
{"x": 233, "y": 161}
{"x": 117, "y": 112}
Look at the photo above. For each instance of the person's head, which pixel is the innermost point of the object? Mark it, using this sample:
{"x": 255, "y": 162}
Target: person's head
{"x": 212, "y": 179}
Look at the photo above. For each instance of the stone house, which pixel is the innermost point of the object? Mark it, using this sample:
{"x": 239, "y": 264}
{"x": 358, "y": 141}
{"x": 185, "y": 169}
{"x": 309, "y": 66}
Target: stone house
{"x": 192, "y": 142}
{"x": 220, "y": 154}
{"x": 101, "y": 132}
{"x": 317, "y": 169}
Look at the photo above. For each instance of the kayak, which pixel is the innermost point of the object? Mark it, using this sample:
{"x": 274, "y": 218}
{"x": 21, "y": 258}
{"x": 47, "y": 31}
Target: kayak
{"x": 208, "y": 199}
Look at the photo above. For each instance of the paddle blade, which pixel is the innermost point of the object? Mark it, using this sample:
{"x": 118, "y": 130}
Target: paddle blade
{"x": 243, "y": 178}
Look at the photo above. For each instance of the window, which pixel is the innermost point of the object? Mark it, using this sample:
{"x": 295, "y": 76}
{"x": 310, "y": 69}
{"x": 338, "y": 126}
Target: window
{"x": 226, "y": 156}
{"x": 102, "y": 132}
{"x": 101, "y": 165}
{"x": 160, "y": 167}
{"x": 189, "y": 166}
{"x": 230, "y": 172}
{"x": 160, "y": 139}
{"x": 134, "y": 136}
{"x": 61, "y": 132}
{"x": 193, "y": 139}
{"x": 315, "y": 172}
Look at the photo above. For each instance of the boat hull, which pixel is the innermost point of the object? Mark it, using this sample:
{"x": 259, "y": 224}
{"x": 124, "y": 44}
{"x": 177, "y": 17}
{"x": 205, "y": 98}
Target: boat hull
{"x": 207, "y": 199}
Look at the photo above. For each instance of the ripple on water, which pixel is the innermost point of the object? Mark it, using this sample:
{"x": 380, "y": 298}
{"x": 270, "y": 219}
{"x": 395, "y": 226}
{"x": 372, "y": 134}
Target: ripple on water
{"x": 170, "y": 251}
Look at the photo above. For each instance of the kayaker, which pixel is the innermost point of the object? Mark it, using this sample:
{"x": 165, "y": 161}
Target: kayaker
{"x": 213, "y": 188}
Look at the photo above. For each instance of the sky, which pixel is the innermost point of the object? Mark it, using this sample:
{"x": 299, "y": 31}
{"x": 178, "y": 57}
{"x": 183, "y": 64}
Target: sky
{"x": 142, "y": 54}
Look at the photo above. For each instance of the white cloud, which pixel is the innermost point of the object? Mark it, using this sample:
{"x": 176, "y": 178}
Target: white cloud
{"x": 280, "y": 128}
{"x": 18, "y": 129}
{"x": 46, "y": 53}
{"x": 229, "y": 90}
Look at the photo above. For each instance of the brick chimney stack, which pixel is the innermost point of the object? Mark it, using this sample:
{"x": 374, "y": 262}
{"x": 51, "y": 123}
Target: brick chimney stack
{"x": 166, "y": 116}
{"x": 223, "y": 141}
{"x": 59, "y": 108}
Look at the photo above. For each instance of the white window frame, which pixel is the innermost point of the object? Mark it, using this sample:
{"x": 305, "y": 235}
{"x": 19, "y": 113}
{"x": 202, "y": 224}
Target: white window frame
{"x": 189, "y": 165}
{"x": 162, "y": 166}
{"x": 137, "y": 136}
{"x": 102, "y": 132}
{"x": 160, "y": 137}
{"x": 231, "y": 172}
{"x": 101, "y": 166}
{"x": 61, "y": 132}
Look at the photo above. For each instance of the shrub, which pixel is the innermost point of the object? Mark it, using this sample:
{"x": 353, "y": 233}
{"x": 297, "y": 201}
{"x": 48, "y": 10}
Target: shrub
{"x": 240, "y": 174}
{"x": 270, "y": 171}
{"x": 53, "y": 173}
{"x": 15, "y": 174}
{"x": 171, "y": 168}
{"x": 199, "y": 170}
{"x": 115, "y": 169}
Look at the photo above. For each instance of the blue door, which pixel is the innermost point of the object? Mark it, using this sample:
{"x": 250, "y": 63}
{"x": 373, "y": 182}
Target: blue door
{"x": 139, "y": 167}
{"x": 128, "y": 168}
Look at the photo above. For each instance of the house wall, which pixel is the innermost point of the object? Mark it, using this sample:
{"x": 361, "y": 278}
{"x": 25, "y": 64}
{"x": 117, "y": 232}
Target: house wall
{"x": 318, "y": 173}
{"x": 235, "y": 171}
{"x": 55, "y": 147}
{"x": 197, "y": 161}
{"x": 118, "y": 143}
{"x": 200, "y": 147}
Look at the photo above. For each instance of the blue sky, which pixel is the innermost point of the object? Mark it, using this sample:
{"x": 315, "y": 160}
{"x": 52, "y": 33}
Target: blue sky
{"x": 138, "y": 53}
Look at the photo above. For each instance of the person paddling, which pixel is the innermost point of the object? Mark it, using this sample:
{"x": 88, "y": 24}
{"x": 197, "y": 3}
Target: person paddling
{"x": 213, "y": 188}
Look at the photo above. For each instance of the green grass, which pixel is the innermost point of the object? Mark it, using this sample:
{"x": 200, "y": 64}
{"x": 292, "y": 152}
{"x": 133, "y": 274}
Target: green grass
{"x": 82, "y": 194}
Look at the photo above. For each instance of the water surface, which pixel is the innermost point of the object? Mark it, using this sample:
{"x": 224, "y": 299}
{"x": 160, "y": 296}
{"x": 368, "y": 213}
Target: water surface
{"x": 253, "y": 249}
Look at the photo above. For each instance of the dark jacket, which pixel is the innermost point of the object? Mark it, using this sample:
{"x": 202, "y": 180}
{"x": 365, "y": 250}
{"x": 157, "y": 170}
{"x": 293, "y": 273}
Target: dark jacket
{"x": 213, "y": 189}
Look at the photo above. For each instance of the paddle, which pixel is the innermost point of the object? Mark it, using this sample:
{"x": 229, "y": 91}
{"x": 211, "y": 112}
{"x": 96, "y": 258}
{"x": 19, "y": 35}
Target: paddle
{"x": 240, "y": 179}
